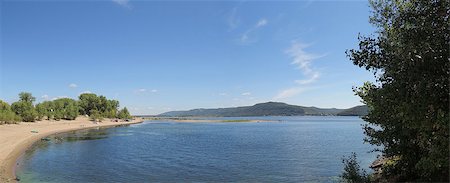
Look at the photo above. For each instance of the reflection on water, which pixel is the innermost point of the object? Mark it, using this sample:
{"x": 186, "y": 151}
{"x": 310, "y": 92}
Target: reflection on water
{"x": 298, "y": 149}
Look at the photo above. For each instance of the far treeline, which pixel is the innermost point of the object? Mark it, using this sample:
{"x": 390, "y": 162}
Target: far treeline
{"x": 96, "y": 107}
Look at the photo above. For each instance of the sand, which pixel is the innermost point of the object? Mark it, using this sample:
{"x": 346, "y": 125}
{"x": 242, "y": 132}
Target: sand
{"x": 16, "y": 138}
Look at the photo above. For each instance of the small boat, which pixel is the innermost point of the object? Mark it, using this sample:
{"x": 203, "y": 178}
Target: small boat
{"x": 34, "y": 131}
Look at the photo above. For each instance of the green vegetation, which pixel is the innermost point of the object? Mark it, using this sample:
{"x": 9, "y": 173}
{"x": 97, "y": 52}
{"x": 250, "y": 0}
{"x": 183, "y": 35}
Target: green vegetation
{"x": 64, "y": 108}
{"x": 95, "y": 115}
{"x": 361, "y": 110}
{"x": 97, "y": 107}
{"x": 7, "y": 115}
{"x": 24, "y": 107}
{"x": 353, "y": 173}
{"x": 106, "y": 108}
{"x": 409, "y": 105}
{"x": 261, "y": 109}
{"x": 124, "y": 114}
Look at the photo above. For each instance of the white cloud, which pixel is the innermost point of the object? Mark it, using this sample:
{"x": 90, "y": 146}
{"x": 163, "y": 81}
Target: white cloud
{"x": 58, "y": 97}
{"x": 223, "y": 94}
{"x": 144, "y": 90}
{"x": 261, "y": 22}
{"x": 87, "y": 91}
{"x": 303, "y": 60}
{"x": 44, "y": 97}
{"x": 313, "y": 78}
{"x": 123, "y": 3}
{"x": 245, "y": 38}
{"x": 233, "y": 19}
{"x": 73, "y": 85}
{"x": 246, "y": 94}
{"x": 287, "y": 93}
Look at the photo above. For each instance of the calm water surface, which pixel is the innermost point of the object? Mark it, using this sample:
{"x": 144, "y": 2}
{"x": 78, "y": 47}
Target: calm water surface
{"x": 297, "y": 149}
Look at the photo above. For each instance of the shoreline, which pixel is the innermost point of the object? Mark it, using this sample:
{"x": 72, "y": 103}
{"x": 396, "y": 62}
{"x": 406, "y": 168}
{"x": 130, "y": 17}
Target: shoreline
{"x": 15, "y": 139}
{"x": 218, "y": 121}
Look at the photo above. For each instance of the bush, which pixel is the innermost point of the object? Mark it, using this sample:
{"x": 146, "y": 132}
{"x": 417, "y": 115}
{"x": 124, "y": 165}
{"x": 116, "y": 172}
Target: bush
{"x": 25, "y": 110}
{"x": 6, "y": 114}
{"x": 95, "y": 115}
{"x": 124, "y": 114}
{"x": 352, "y": 171}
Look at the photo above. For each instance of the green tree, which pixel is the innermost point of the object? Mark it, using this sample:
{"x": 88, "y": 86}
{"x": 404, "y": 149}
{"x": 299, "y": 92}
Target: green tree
{"x": 88, "y": 102}
{"x": 124, "y": 114}
{"x": 106, "y": 108}
{"x": 26, "y": 97}
{"x": 65, "y": 108}
{"x": 25, "y": 110}
{"x": 95, "y": 115}
{"x": 6, "y": 114}
{"x": 353, "y": 173}
{"x": 41, "y": 111}
{"x": 46, "y": 109}
{"x": 111, "y": 108}
{"x": 409, "y": 104}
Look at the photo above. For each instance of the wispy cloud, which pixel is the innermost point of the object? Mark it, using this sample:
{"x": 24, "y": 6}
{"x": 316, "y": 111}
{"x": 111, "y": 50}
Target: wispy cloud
{"x": 261, "y": 23}
{"x": 44, "y": 97}
{"x": 144, "y": 90}
{"x": 246, "y": 94}
{"x": 233, "y": 19}
{"x": 303, "y": 61}
{"x": 245, "y": 37}
{"x": 287, "y": 93}
{"x": 59, "y": 97}
{"x": 123, "y": 3}
{"x": 87, "y": 91}
{"x": 73, "y": 85}
{"x": 223, "y": 94}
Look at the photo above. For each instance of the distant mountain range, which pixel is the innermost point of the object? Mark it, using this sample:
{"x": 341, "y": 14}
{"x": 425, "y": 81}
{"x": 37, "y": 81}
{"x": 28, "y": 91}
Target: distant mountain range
{"x": 268, "y": 109}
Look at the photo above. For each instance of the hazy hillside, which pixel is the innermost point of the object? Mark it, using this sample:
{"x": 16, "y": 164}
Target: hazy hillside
{"x": 261, "y": 109}
{"x": 361, "y": 110}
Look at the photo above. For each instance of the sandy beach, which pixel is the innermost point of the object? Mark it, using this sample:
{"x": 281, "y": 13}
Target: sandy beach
{"x": 16, "y": 138}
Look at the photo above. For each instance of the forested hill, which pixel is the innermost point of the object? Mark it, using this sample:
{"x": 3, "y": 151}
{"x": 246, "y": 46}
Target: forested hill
{"x": 360, "y": 110}
{"x": 261, "y": 109}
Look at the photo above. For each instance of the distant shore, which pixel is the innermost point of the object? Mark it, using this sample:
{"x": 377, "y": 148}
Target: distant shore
{"x": 15, "y": 139}
{"x": 203, "y": 120}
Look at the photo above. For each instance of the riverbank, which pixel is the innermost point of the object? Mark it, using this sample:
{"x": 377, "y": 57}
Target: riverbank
{"x": 202, "y": 120}
{"x": 16, "y": 138}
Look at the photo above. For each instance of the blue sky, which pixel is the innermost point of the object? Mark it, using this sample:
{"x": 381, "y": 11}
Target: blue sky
{"x": 156, "y": 56}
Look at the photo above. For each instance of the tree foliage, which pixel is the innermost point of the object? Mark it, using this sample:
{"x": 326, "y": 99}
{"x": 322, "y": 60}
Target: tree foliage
{"x": 95, "y": 115}
{"x": 25, "y": 110}
{"x": 106, "y": 108}
{"x": 97, "y": 107}
{"x": 353, "y": 173}
{"x": 6, "y": 114}
{"x": 409, "y": 103}
{"x": 46, "y": 109}
{"x": 65, "y": 108}
{"x": 26, "y": 97}
{"x": 124, "y": 114}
